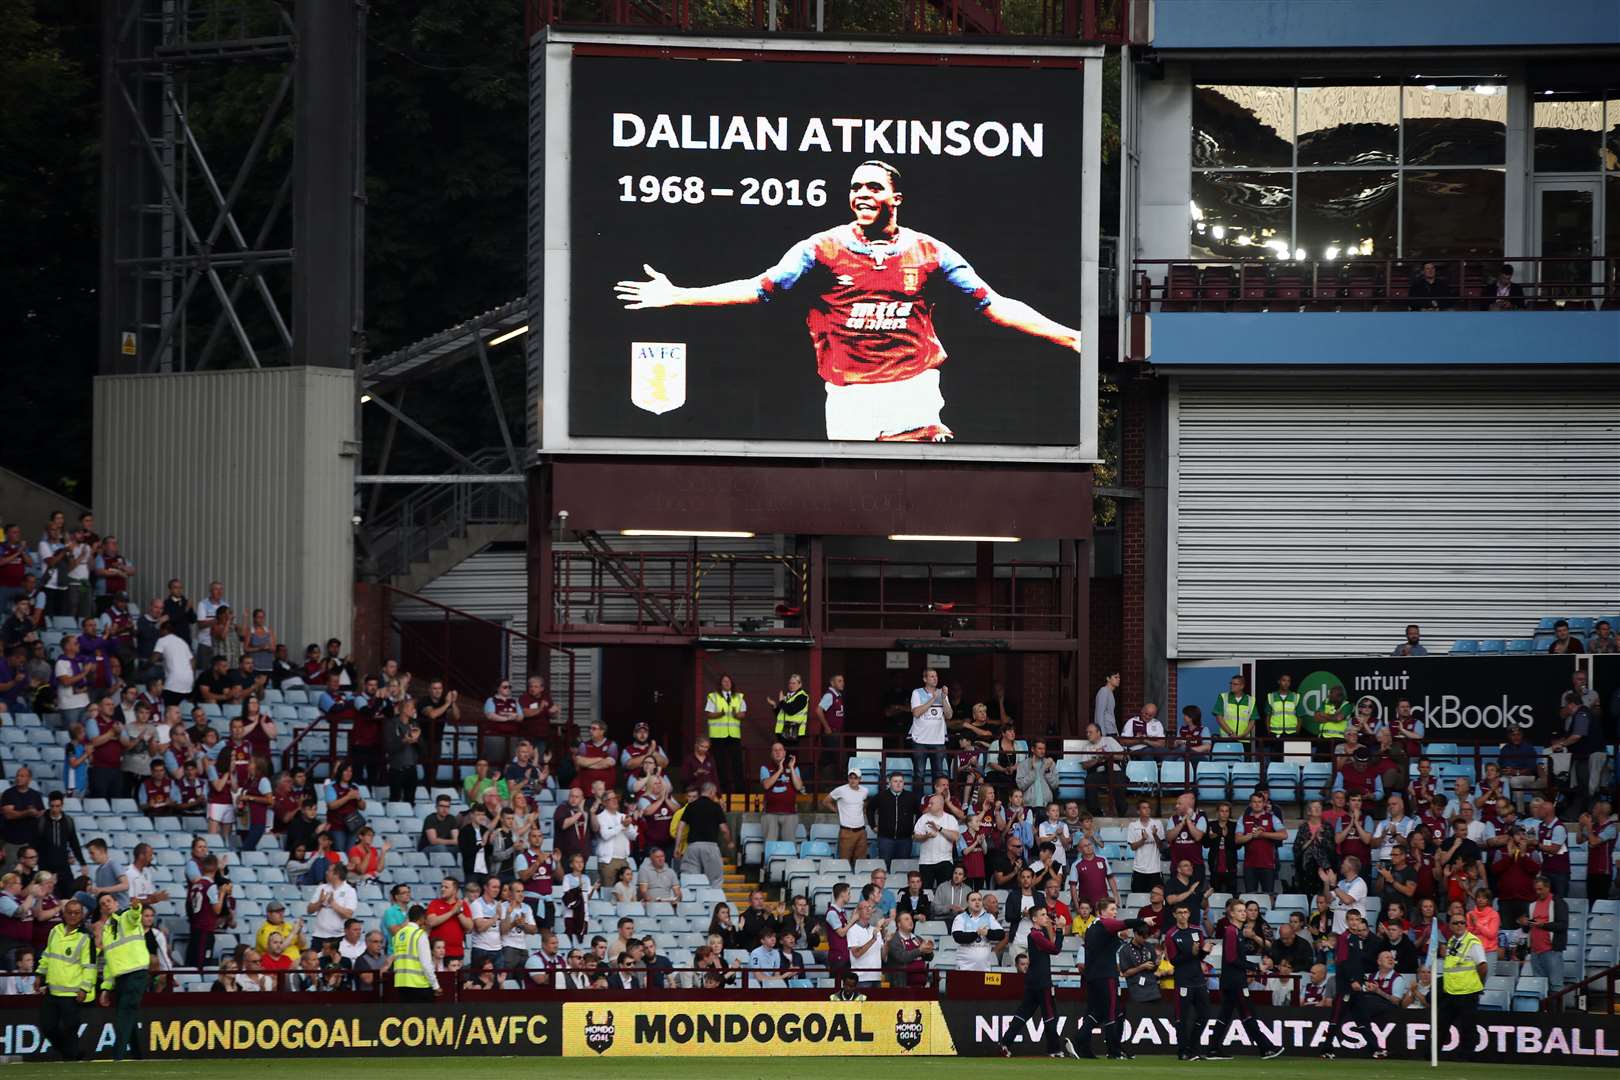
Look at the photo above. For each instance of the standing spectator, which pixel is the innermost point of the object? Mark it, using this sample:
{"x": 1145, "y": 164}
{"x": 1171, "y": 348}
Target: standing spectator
{"x": 1100, "y": 755}
{"x": 937, "y": 833}
{"x": 931, "y": 712}
{"x": 208, "y": 909}
{"x": 1413, "y": 645}
{"x": 866, "y": 945}
{"x": 1144, "y": 835}
{"x": 207, "y": 618}
{"x": 704, "y": 825}
{"x": 907, "y": 956}
{"x": 724, "y": 709}
{"x": 179, "y": 666}
{"x": 1002, "y": 763}
{"x": 58, "y": 844}
{"x": 74, "y": 675}
{"x": 486, "y": 924}
{"x": 54, "y": 560}
{"x": 1037, "y": 777}
{"x": 1104, "y": 705}
{"x": 1259, "y": 833}
{"x": 1548, "y": 924}
{"x": 976, "y": 932}
{"x": 1562, "y": 641}
{"x": 21, "y": 808}
{"x": 783, "y": 786}
{"x": 332, "y": 904}
{"x": 503, "y": 722}
{"x": 13, "y": 565}
{"x": 1186, "y": 830}
{"x": 893, "y": 812}
{"x": 597, "y": 758}
{"x": 614, "y": 831}
{"x": 848, "y": 801}
{"x": 180, "y": 612}
{"x": 401, "y": 739}
{"x": 543, "y": 722}
{"x": 449, "y": 918}
{"x": 830, "y": 718}
{"x": 1598, "y": 832}
{"x": 1552, "y": 841}
{"x": 1346, "y": 892}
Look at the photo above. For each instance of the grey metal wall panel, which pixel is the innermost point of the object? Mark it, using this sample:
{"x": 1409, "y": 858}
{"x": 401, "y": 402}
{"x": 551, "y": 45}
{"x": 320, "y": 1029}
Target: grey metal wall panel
{"x": 1320, "y": 514}
{"x": 236, "y": 475}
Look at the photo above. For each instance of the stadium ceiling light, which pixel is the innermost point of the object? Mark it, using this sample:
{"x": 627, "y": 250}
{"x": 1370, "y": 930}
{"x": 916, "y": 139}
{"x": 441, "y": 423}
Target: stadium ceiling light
{"x": 364, "y": 398}
{"x": 508, "y": 336}
{"x": 957, "y": 539}
{"x": 702, "y": 534}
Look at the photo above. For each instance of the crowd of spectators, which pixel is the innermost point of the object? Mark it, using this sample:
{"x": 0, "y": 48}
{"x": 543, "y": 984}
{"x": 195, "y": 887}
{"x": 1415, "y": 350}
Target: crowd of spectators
{"x": 549, "y": 826}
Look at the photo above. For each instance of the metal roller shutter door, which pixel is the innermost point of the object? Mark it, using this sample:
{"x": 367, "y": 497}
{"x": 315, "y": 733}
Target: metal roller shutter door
{"x": 1320, "y": 514}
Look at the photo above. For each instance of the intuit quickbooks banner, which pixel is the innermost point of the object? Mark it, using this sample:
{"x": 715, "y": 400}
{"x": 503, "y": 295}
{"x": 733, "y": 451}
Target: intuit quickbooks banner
{"x": 1462, "y": 699}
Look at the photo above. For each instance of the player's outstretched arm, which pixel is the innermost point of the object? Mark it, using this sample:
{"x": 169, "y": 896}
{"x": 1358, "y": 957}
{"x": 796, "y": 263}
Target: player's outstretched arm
{"x": 658, "y": 291}
{"x": 1017, "y": 315}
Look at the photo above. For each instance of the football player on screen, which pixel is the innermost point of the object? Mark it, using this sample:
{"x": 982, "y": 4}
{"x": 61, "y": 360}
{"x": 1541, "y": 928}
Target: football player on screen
{"x": 871, "y": 320}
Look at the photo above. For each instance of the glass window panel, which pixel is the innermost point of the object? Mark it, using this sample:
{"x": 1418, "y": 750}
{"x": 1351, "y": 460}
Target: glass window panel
{"x": 1568, "y": 134}
{"x": 1453, "y": 213}
{"x": 1344, "y": 215}
{"x": 1237, "y": 215}
{"x": 1244, "y": 126}
{"x": 1611, "y": 140}
{"x": 1349, "y": 125}
{"x": 1456, "y": 125}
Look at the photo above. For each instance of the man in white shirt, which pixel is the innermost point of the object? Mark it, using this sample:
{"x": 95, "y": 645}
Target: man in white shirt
{"x": 517, "y": 922}
{"x": 613, "y": 835}
{"x": 485, "y": 939}
{"x": 1144, "y": 835}
{"x": 73, "y": 673}
{"x": 930, "y": 710}
{"x": 975, "y": 931}
{"x": 1100, "y": 756}
{"x": 141, "y": 886}
{"x": 936, "y": 832}
{"x": 1394, "y": 828}
{"x": 866, "y": 944}
{"x": 848, "y": 800}
{"x": 1143, "y": 733}
{"x": 207, "y": 610}
{"x": 179, "y": 667}
{"x": 354, "y": 940}
{"x": 1346, "y": 893}
{"x": 331, "y": 904}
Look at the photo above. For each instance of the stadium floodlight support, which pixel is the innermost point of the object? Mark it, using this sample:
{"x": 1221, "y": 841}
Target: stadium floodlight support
{"x": 184, "y": 241}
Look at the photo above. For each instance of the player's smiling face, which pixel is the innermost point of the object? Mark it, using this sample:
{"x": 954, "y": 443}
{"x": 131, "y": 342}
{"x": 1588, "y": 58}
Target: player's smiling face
{"x": 872, "y": 198}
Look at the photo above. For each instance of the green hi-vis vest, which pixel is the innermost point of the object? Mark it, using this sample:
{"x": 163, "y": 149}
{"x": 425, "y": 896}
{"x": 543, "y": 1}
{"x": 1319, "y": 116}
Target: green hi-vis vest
{"x": 1283, "y": 710}
{"x": 728, "y": 725}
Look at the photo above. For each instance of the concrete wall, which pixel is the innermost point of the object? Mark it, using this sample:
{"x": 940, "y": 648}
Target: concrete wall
{"x": 244, "y": 476}
{"x": 28, "y": 504}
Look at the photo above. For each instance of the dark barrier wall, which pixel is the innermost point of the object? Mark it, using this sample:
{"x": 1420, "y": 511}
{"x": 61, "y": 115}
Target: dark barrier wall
{"x": 1512, "y": 1038}
{"x": 1461, "y": 699}
{"x": 744, "y": 1028}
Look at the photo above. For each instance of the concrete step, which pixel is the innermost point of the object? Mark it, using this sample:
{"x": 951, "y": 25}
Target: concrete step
{"x": 446, "y": 558}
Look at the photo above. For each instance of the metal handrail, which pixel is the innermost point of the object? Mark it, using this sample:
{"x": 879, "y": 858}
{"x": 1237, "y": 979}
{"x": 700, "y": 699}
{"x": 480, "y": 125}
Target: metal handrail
{"x": 433, "y": 515}
{"x": 1362, "y": 283}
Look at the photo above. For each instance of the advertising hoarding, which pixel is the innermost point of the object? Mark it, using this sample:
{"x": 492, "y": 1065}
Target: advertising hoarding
{"x": 1461, "y": 699}
{"x": 817, "y": 251}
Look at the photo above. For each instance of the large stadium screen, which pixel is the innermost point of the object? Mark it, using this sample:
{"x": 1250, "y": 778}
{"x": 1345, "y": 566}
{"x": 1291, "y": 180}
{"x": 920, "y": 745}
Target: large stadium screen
{"x": 818, "y": 252}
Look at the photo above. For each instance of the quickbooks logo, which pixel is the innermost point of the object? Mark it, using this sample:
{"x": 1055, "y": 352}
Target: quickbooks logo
{"x": 1313, "y": 691}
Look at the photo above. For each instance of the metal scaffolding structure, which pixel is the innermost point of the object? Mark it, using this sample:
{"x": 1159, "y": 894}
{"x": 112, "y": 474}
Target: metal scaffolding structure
{"x": 214, "y": 254}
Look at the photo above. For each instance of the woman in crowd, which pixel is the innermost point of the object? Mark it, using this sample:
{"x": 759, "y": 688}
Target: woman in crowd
{"x": 260, "y": 642}
{"x": 343, "y": 805}
{"x": 720, "y": 925}
{"x": 624, "y": 888}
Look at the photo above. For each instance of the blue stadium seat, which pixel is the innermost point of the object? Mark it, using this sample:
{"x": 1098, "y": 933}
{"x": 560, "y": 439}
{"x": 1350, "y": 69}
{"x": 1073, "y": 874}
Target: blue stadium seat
{"x": 1212, "y": 776}
{"x": 1142, "y": 777}
{"x": 1282, "y": 778}
{"x": 1493, "y": 645}
{"x": 1245, "y": 778}
{"x": 1548, "y": 622}
{"x": 1174, "y": 776}
{"x": 1521, "y": 646}
{"x": 1465, "y": 645}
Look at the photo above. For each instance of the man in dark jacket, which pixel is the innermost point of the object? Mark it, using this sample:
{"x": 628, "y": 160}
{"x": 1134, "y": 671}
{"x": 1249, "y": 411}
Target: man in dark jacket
{"x": 893, "y": 813}
{"x": 400, "y": 739}
{"x": 58, "y": 839}
{"x": 1101, "y": 978}
{"x": 1045, "y": 941}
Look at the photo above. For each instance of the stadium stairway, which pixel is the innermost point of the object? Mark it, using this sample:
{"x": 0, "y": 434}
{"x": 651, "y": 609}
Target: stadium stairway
{"x": 738, "y": 885}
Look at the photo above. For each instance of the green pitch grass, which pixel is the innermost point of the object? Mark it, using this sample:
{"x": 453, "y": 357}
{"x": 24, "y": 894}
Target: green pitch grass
{"x": 1158, "y": 1067}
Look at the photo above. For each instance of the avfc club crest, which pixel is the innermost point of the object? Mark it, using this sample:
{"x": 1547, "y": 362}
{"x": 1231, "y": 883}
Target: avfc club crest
{"x": 908, "y": 1033}
{"x": 658, "y": 375}
{"x": 599, "y": 1037}
{"x": 909, "y": 278}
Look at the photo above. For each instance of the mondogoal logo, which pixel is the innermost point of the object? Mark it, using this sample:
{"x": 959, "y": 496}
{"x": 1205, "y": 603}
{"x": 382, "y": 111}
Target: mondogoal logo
{"x": 1445, "y": 712}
